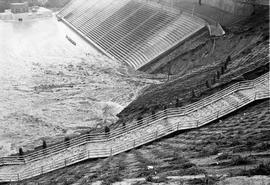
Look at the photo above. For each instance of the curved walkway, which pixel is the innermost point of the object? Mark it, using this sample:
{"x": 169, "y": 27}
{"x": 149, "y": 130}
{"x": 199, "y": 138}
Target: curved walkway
{"x": 143, "y": 131}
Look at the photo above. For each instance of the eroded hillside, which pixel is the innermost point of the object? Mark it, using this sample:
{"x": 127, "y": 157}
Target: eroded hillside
{"x": 198, "y": 71}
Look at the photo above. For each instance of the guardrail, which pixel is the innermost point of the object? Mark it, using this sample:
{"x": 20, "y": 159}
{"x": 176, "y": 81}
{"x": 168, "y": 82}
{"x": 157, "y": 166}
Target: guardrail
{"x": 114, "y": 145}
{"x": 12, "y": 160}
{"x": 87, "y": 138}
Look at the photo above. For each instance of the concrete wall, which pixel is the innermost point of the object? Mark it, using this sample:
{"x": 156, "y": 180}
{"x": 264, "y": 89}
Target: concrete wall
{"x": 231, "y": 6}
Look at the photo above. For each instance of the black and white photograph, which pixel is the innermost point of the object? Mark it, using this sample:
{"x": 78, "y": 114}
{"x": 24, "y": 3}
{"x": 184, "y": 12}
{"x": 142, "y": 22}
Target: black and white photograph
{"x": 134, "y": 92}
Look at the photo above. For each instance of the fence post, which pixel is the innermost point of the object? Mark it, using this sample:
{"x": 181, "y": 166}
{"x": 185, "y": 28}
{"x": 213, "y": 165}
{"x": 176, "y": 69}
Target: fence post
{"x": 156, "y": 133}
{"x": 217, "y": 114}
{"x": 255, "y": 95}
{"x": 65, "y": 162}
{"x": 134, "y": 143}
{"x": 111, "y": 152}
{"x": 18, "y": 177}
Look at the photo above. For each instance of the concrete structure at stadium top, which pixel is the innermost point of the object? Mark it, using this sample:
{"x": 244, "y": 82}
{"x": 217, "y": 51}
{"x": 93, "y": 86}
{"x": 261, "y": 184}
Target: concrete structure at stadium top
{"x": 22, "y": 1}
{"x": 255, "y": 2}
{"x": 19, "y": 7}
{"x": 236, "y": 7}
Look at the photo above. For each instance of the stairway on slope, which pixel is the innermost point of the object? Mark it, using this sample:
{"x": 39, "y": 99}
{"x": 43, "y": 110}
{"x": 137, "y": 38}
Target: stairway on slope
{"x": 139, "y": 136}
{"x": 175, "y": 150}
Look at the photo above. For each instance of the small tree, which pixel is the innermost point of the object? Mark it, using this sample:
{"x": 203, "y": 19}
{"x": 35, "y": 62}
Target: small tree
{"x": 214, "y": 80}
{"x": 222, "y": 70}
{"x": 218, "y": 74}
{"x": 107, "y": 131}
{"x": 228, "y": 59}
{"x": 67, "y": 142}
{"x": 88, "y": 136}
{"x": 207, "y": 84}
{"x": 21, "y": 154}
{"x": 20, "y": 151}
{"x": 193, "y": 94}
{"x": 177, "y": 104}
{"x": 165, "y": 109}
{"x": 124, "y": 125}
{"x": 153, "y": 114}
{"x": 169, "y": 71}
{"x": 140, "y": 120}
{"x": 44, "y": 144}
{"x": 225, "y": 66}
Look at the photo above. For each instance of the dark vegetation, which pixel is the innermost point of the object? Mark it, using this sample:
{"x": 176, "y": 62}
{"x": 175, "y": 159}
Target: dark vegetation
{"x": 261, "y": 169}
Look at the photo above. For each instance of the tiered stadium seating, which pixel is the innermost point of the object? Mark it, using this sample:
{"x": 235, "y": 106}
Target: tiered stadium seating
{"x": 101, "y": 16}
{"x": 134, "y": 32}
{"x": 164, "y": 40}
{"x": 70, "y": 7}
{"x": 102, "y": 29}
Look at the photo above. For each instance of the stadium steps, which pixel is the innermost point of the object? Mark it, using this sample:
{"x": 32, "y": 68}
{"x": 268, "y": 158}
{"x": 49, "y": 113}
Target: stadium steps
{"x": 130, "y": 43}
{"x": 85, "y": 12}
{"x": 131, "y": 31}
{"x": 163, "y": 41}
{"x": 69, "y": 7}
{"x": 101, "y": 16}
{"x": 125, "y": 27}
{"x": 73, "y": 14}
{"x": 96, "y": 13}
{"x": 111, "y": 22}
{"x": 78, "y": 12}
